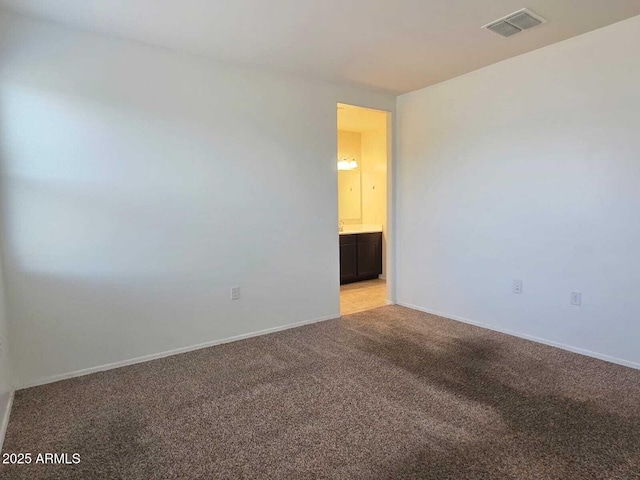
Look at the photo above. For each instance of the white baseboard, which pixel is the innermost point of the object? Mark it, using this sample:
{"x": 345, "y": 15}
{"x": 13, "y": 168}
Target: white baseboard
{"x": 570, "y": 348}
{"x": 5, "y": 419}
{"x": 155, "y": 356}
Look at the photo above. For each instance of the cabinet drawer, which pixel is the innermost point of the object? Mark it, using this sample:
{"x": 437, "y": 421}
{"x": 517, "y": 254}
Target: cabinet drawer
{"x": 369, "y": 237}
{"x": 348, "y": 239}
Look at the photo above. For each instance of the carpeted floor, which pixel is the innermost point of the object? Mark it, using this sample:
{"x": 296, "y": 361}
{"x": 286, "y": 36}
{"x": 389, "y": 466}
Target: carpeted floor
{"x": 383, "y": 394}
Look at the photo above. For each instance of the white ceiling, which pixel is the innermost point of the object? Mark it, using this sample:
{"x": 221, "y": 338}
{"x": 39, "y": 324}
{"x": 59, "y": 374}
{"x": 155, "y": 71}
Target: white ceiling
{"x": 393, "y": 45}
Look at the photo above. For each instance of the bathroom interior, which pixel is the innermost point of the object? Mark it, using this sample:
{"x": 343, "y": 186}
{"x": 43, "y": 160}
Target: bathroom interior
{"x": 362, "y": 207}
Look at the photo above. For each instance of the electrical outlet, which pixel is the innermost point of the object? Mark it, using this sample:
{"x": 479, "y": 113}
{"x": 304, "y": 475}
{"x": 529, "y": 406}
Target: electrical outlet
{"x": 517, "y": 286}
{"x": 235, "y": 293}
{"x": 575, "y": 298}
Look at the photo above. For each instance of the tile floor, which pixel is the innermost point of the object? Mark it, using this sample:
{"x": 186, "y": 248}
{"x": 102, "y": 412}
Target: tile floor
{"x": 360, "y": 296}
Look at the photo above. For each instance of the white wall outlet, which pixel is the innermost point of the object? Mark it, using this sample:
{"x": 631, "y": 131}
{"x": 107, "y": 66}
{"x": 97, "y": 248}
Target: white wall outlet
{"x": 575, "y": 298}
{"x": 517, "y": 286}
{"x": 235, "y": 293}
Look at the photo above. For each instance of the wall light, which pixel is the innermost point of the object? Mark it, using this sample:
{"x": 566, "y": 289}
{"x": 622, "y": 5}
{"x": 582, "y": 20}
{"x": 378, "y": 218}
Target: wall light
{"x": 347, "y": 163}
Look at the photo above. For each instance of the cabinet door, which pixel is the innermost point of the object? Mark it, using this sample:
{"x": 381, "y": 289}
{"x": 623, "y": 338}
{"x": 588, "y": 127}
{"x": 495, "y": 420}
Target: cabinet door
{"x": 369, "y": 255}
{"x": 348, "y": 258}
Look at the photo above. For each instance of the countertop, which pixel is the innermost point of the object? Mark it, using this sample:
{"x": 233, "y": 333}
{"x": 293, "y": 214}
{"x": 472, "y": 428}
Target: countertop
{"x": 362, "y": 228}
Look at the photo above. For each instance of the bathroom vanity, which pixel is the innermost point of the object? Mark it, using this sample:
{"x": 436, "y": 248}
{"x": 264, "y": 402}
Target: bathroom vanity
{"x": 360, "y": 253}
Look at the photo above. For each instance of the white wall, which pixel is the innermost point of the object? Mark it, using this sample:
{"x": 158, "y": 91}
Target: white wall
{"x": 529, "y": 169}
{"x": 6, "y": 381}
{"x": 139, "y": 185}
{"x": 374, "y": 182}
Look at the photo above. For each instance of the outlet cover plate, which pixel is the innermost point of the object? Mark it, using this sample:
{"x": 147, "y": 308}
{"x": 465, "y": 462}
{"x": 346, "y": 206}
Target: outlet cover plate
{"x": 235, "y": 293}
{"x": 575, "y": 299}
{"x": 517, "y": 286}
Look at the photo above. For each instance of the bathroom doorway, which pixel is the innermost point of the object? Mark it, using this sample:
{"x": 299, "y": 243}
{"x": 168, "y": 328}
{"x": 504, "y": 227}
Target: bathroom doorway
{"x": 363, "y": 151}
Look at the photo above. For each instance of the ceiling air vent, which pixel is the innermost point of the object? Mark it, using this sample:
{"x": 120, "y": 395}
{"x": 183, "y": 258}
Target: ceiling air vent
{"x": 515, "y": 23}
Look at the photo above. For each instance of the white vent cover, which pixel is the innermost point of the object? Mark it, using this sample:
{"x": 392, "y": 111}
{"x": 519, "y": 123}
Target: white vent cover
{"x": 515, "y": 23}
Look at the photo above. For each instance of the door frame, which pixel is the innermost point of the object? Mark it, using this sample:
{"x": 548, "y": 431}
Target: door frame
{"x": 389, "y": 234}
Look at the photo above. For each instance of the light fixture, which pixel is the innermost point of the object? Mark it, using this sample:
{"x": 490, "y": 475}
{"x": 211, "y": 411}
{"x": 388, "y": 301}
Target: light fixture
{"x": 347, "y": 163}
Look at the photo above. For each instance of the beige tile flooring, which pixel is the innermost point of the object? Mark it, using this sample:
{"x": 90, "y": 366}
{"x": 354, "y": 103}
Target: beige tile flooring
{"x": 360, "y": 296}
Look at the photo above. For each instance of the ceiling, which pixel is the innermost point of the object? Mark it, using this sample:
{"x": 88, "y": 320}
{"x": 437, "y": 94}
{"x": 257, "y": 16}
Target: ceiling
{"x": 391, "y": 45}
{"x": 359, "y": 119}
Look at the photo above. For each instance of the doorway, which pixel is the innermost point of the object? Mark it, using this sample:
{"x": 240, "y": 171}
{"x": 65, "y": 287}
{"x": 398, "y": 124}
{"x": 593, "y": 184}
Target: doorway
{"x": 363, "y": 151}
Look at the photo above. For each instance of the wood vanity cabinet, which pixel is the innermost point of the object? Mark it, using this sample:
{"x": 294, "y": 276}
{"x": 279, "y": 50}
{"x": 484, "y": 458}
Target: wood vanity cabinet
{"x": 360, "y": 257}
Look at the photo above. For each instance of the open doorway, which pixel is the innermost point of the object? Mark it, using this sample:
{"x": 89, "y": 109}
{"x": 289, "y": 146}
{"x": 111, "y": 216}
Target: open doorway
{"x": 362, "y": 207}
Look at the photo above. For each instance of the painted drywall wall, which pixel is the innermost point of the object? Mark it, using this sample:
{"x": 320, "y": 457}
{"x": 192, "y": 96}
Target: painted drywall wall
{"x": 374, "y": 182}
{"x": 140, "y": 184}
{"x": 6, "y": 381}
{"x": 350, "y": 181}
{"x": 529, "y": 169}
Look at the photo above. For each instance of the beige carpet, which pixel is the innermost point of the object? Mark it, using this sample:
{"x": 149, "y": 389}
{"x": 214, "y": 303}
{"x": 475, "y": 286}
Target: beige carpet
{"x": 385, "y": 394}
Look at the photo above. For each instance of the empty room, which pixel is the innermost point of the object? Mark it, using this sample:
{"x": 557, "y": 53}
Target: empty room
{"x": 366, "y": 239}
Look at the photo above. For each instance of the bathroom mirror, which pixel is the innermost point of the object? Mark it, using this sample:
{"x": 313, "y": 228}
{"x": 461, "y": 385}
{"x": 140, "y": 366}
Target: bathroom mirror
{"x": 349, "y": 195}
